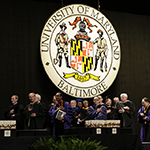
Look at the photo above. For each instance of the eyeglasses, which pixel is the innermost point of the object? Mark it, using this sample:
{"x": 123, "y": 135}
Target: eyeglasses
{"x": 57, "y": 95}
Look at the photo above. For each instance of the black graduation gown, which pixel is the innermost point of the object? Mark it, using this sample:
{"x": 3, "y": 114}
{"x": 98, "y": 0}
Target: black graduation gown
{"x": 110, "y": 116}
{"x": 35, "y": 122}
{"x": 18, "y": 111}
{"x": 128, "y": 116}
{"x": 46, "y": 115}
{"x": 48, "y": 125}
{"x": 84, "y": 116}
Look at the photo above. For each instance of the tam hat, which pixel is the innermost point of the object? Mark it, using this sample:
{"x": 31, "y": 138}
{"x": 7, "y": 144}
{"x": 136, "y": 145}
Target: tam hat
{"x": 79, "y": 100}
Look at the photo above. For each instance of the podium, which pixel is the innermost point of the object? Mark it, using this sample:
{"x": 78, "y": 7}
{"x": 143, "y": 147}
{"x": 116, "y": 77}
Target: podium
{"x": 7, "y": 128}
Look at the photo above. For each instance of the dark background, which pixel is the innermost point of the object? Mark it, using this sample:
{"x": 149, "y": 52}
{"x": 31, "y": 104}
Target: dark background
{"x": 21, "y": 68}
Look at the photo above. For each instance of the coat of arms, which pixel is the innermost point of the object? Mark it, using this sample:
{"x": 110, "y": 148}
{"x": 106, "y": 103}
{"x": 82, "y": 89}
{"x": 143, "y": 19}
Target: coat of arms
{"x": 83, "y": 50}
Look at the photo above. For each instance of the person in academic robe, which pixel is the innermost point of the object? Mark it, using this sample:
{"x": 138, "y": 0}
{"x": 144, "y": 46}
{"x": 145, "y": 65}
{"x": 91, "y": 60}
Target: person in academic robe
{"x": 60, "y": 122}
{"x": 15, "y": 112}
{"x": 115, "y": 110}
{"x": 80, "y": 115}
{"x": 46, "y": 115}
{"x": 98, "y": 111}
{"x": 110, "y": 109}
{"x": 34, "y": 113}
{"x": 48, "y": 119}
{"x": 144, "y": 118}
{"x": 86, "y": 104}
{"x": 54, "y": 101}
{"x": 115, "y": 101}
{"x": 73, "y": 105}
{"x": 126, "y": 111}
{"x": 100, "y": 100}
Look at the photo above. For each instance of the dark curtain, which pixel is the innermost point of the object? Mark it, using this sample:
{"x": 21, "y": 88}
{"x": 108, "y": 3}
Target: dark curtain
{"x": 21, "y": 68}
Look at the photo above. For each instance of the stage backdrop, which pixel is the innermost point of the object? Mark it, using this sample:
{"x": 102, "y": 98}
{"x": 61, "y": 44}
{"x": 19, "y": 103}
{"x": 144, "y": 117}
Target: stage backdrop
{"x": 21, "y": 68}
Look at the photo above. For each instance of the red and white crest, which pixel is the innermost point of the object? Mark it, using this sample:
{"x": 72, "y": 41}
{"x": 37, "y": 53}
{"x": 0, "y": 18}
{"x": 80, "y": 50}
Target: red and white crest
{"x": 81, "y": 55}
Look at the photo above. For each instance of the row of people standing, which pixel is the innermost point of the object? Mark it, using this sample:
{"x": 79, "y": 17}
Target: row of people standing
{"x": 33, "y": 116}
{"x": 123, "y": 110}
{"x": 36, "y": 115}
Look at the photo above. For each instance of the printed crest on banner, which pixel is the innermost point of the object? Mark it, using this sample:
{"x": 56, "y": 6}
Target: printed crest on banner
{"x": 81, "y": 55}
{"x": 80, "y": 51}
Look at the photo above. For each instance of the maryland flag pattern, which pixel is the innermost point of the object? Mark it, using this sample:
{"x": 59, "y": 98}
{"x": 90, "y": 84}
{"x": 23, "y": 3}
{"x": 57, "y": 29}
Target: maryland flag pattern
{"x": 81, "y": 55}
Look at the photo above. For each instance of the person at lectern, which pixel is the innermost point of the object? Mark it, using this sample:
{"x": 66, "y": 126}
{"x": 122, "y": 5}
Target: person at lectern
{"x": 98, "y": 111}
{"x": 61, "y": 115}
{"x": 15, "y": 112}
{"x": 126, "y": 111}
{"x": 34, "y": 113}
{"x": 144, "y": 118}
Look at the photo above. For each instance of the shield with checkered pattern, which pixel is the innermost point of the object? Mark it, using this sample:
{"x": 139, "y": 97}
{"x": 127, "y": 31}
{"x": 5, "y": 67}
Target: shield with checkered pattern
{"x": 81, "y": 55}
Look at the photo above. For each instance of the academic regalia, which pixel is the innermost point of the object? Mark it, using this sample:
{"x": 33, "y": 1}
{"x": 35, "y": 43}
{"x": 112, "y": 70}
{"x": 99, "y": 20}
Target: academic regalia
{"x": 18, "y": 111}
{"x": 49, "y": 125}
{"x": 79, "y": 100}
{"x": 115, "y": 112}
{"x": 102, "y": 115}
{"x": 59, "y": 126}
{"x": 35, "y": 122}
{"x": 73, "y": 122}
{"x": 145, "y": 124}
{"x": 46, "y": 115}
{"x": 128, "y": 116}
{"x": 74, "y": 109}
{"x": 84, "y": 116}
{"x": 110, "y": 115}
{"x": 52, "y": 104}
{"x": 85, "y": 108}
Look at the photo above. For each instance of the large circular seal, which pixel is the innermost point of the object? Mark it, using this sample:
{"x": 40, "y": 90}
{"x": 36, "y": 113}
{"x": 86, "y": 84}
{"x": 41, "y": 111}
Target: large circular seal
{"x": 80, "y": 51}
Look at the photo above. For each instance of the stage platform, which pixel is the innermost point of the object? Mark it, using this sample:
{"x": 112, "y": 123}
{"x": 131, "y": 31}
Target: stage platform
{"x": 115, "y": 140}
{"x": 145, "y": 145}
{"x": 98, "y": 131}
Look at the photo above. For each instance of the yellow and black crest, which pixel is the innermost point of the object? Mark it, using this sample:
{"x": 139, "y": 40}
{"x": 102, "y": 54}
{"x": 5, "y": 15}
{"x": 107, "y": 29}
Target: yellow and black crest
{"x": 81, "y": 55}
